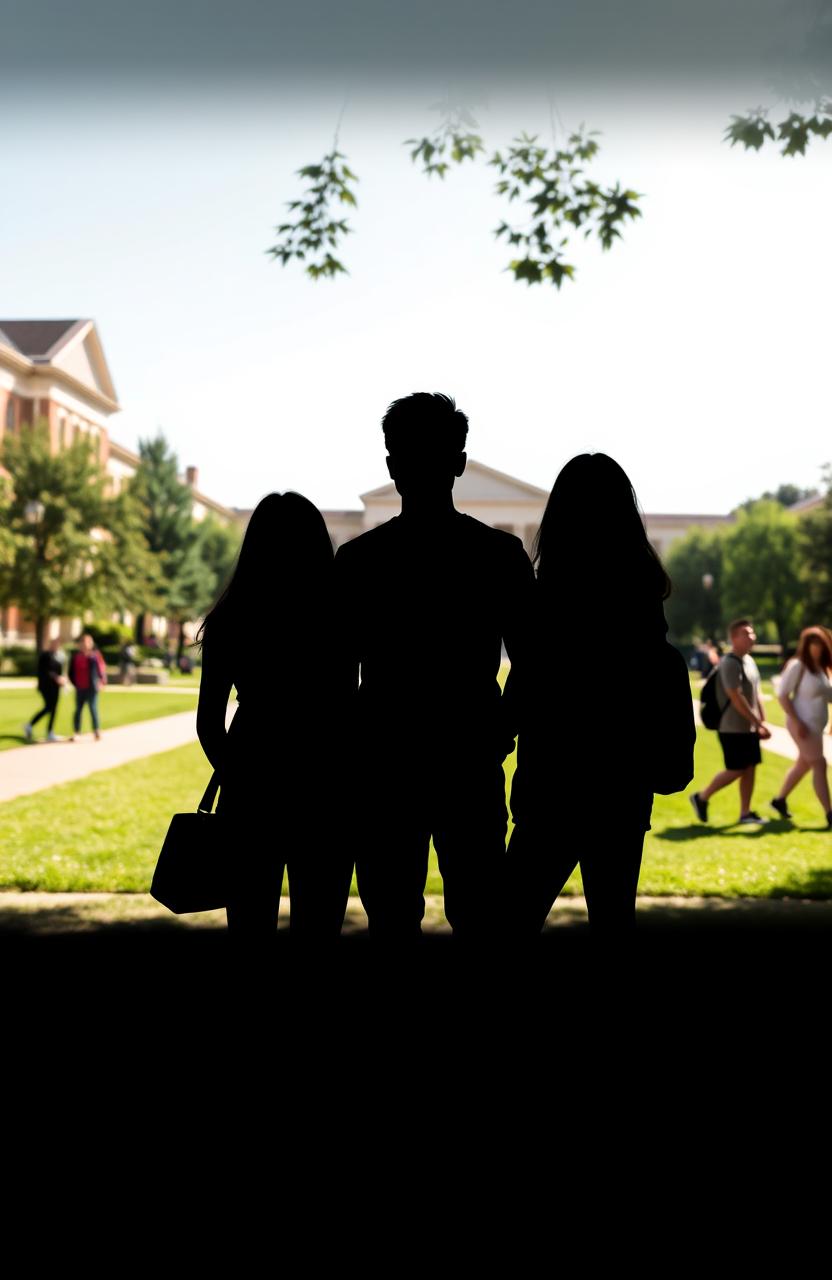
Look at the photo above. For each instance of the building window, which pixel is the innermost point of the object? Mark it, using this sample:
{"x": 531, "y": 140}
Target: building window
{"x": 10, "y": 414}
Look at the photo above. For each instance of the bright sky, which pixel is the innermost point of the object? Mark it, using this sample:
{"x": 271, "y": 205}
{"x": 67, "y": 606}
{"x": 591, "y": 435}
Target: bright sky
{"x": 695, "y": 352}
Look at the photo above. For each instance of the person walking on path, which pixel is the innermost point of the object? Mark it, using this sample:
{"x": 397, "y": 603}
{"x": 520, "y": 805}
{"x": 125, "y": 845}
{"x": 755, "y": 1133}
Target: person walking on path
{"x": 742, "y": 724}
{"x": 50, "y": 681}
{"x": 87, "y": 673}
{"x": 804, "y": 694}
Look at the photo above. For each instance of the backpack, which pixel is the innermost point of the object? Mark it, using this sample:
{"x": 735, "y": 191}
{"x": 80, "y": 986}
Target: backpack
{"x": 710, "y": 708}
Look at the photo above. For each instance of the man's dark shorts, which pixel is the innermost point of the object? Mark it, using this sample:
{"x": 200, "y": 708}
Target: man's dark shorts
{"x": 740, "y": 749}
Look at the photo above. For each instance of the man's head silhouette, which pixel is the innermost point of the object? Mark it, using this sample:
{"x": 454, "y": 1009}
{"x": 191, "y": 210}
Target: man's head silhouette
{"x": 425, "y": 437}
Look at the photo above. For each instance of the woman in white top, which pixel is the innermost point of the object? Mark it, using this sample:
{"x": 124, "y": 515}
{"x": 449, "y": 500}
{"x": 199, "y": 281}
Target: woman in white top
{"x": 804, "y": 694}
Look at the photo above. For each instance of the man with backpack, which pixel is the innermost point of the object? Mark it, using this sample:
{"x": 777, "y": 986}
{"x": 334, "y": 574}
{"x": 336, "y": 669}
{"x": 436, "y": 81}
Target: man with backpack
{"x": 731, "y": 704}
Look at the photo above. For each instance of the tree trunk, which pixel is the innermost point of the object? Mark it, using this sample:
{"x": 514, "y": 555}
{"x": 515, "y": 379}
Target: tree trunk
{"x": 139, "y": 628}
{"x": 180, "y": 644}
{"x": 783, "y": 640}
{"x": 40, "y": 627}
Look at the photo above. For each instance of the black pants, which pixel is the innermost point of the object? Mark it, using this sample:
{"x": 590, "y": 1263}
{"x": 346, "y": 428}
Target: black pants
{"x": 466, "y": 814}
{"x": 320, "y": 871}
{"x": 542, "y": 857}
{"x": 50, "y": 706}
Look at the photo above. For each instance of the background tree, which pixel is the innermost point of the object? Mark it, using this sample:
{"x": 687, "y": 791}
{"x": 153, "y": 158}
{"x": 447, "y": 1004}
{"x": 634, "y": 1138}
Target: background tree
{"x": 816, "y": 543}
{"x": 171, "y": 535}
{"x": 192, "y": 558}
{"x": 7, "y": 543}
{"x": 694, "y": 608}
{"x": 762, "y": 569}
{"x": 131, "y": 575}
{"x": 785, "y": 494}
{"x": 68, "y": 543}
{"x": 218, "y": 547}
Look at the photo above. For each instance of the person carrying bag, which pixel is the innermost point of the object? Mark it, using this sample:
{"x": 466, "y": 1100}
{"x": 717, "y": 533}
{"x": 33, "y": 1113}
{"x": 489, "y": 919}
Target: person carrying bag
{"x": 193, "y": 870}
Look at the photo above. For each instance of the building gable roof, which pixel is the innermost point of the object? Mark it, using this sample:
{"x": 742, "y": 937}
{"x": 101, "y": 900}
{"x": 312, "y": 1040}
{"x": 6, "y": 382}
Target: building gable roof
{"x": 72, "y": 347}
{"x": 478, "y": 483}
{"x": 39, "y": 339}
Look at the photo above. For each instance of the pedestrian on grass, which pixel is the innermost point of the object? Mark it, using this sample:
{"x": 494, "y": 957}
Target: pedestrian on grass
{"x": 804, "y": 694}
{"x": 88, "y": 674}
{"x": 742, "y": 724}
{"x": 51, "y": 679}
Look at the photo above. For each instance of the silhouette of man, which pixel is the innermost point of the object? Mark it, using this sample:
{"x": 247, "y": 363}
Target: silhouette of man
{"x": 426, "y": 602}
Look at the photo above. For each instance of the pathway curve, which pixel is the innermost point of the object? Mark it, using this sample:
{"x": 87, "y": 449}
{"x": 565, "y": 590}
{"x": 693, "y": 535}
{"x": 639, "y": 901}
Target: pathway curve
{"x": 33, "y": 768}
{"x": 45, "y": 764}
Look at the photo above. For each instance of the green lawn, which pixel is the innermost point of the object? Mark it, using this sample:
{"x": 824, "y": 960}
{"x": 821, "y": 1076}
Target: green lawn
{"x": 103, "y": 833}
{"x": 116, "y": 706}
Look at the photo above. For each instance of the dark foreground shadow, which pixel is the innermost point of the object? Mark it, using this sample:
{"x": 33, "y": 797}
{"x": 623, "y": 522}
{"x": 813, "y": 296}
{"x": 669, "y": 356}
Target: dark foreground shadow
{"x": 196, "y": 1033}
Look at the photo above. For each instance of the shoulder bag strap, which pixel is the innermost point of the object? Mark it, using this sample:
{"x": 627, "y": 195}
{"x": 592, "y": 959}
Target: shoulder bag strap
{"x": 206, "y": 804}
{"x": 724, "y": 690}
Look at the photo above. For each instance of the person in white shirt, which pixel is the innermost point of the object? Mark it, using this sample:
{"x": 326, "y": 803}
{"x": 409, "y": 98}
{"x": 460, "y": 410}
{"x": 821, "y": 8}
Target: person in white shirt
{"x": 804, "y": 694}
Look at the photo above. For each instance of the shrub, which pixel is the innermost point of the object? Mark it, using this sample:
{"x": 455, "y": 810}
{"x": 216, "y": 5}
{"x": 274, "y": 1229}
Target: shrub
{"x": 109, "y": 633}
{"x": 18, "y": 660}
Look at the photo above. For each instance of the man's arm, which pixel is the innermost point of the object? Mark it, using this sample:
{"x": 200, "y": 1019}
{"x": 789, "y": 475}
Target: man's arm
{"x": 757, "y": 718}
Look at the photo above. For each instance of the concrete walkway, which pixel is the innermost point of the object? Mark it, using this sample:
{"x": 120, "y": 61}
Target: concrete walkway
{"x": 46, "y": 764}
{"x": 26, "y": 682}
{"x": 24, "y": 770}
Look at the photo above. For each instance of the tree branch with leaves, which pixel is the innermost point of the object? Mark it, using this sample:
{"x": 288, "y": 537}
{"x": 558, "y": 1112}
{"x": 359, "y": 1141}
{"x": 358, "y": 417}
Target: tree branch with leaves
{"x": 315, "y": 231}
{"x": 554, "y": 183}
{"x": 795, "y": 131}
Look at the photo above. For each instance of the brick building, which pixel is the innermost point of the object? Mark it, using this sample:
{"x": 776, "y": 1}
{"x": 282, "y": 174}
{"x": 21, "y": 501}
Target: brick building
{"x": 55, "y": 371}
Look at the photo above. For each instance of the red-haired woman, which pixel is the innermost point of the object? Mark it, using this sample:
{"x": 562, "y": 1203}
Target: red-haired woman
{"x": 804, "y": 694}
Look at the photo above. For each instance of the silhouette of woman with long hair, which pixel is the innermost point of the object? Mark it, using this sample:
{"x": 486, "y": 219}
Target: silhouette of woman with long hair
{"x": 270, "y": 636}
{"x": 582, "y": 788}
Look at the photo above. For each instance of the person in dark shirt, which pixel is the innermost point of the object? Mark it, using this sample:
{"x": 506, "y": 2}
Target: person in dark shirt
{"x": 426, "y": 602}
{"x": 50, "y": 681}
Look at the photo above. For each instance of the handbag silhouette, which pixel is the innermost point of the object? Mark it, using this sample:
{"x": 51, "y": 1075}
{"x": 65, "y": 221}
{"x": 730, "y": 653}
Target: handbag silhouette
{"x": 192, "y": 873}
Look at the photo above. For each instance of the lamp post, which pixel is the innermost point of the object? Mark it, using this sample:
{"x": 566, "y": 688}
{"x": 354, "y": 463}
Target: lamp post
{"x": 707, "y": 586}
{"x": 34, "y": 511}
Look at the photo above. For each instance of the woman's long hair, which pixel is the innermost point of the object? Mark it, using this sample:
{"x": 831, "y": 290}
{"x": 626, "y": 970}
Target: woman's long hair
{"x": 283, "y": 566}
{"x": 804, "y": 655}
{"x": 592, "y": 536}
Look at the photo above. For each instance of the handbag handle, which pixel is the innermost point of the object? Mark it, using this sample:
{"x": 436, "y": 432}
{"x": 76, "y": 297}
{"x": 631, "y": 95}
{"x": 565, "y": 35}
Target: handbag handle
{"x": 206, "y": 804}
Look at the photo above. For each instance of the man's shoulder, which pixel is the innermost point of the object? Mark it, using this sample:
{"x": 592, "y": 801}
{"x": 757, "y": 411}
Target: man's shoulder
{"x": 366, "y": 544}
{"x": 498, "y": 541}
